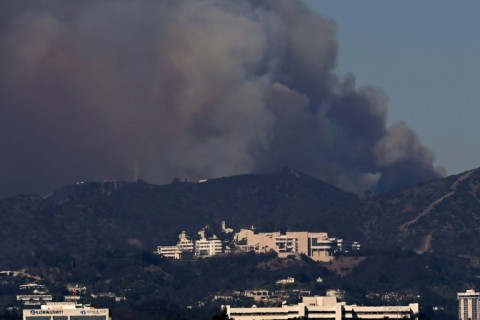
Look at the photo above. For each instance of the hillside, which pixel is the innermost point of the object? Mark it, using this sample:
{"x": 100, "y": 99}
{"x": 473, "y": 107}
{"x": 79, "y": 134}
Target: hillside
{"x": 441, "y": 217}
{"x": 418, "y": 242}
{"x": 84, "y": 217}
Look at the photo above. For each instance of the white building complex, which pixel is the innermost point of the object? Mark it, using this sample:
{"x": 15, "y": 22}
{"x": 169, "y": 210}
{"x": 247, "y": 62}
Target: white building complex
{"x": 201, "y": 248}
{"x": 184, "y": 245}
{"x": 33, "y": 294}
{"x": 468, "y": 305}
{"x": 323, "y": 308}
{"x": 316, "y": 245}
{"x": 208, "y": 247}
{"x": 288, "y": 280}
{"x": 65, "y": 311}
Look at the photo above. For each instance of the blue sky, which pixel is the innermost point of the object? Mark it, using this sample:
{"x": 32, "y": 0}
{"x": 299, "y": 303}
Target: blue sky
{"x": 424, "y": 55}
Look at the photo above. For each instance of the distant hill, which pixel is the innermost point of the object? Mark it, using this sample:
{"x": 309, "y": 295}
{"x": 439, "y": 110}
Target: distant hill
{"x": 84, "y": 217}
{"x": 441, "y": 216}
{"x": 420, "y": 242}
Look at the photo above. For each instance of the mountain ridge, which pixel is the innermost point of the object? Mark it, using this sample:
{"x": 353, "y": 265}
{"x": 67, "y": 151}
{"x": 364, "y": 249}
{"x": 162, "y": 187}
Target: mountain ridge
{"x": 85, "y": 216}
{"x": 418, "y": 242}
{"x": 89, "y": 215}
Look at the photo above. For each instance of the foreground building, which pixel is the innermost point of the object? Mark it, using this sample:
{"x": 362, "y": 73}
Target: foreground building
{"x": 469, "y": 305}
{"x": 65, "y": 311}
{"x": 323, "y": 308}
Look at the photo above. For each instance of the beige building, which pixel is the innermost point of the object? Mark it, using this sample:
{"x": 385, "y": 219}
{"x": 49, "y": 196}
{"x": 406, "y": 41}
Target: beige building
{"x": 170, "y": 252}
{"x": 208, "y": 247}
{"x": 258, "y": 295}
{"x": 288, "y": 280}
{"x": 33, "y": 294}
{"x": 316, "y": 245}
{"x": 184, "y": 245}
{"x": 469, "y": 305}
{"x": 34, "y": 299}
{"x": 65, "y": 311}
{"x": 323, "y": 308}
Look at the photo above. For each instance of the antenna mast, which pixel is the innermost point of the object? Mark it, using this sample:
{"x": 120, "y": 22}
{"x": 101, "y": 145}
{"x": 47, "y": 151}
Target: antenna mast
{"x": 136, "y": 170}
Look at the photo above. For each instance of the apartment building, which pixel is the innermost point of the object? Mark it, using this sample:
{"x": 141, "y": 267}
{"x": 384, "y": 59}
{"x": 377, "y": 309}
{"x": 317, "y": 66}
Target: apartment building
{"x": 258, "y": 294}
{"x": 184, "y": 243}
{"x": 183, "y": 246}
{"x": 170, "y": 252}
{"x": 208, "y": 247}
{"x": 468, "y": 305}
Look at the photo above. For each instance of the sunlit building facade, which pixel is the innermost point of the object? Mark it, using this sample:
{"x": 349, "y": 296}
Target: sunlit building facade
{"x": 468, "y": 305}
{"x": 183, "y": 246}
{"x": 316, "y": 245}
{"x": 208, "y": 247}
{"x": 323, "y": 308}
{"x": 65, "y": 311}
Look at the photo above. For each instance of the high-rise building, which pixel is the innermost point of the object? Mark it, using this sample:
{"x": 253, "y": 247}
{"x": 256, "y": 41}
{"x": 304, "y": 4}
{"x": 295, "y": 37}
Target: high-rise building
{"x": 468, "y": 305}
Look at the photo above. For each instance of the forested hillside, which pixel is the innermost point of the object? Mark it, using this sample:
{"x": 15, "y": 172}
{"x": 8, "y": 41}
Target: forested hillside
{"x": 418, "y": 242}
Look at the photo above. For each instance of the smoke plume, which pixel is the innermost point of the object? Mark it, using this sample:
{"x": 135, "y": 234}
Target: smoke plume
{"x": 190, "y": 89}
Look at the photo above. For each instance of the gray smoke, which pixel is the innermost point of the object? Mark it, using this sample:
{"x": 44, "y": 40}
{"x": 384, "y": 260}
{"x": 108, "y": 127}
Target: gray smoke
{"x": 190, "y": 89}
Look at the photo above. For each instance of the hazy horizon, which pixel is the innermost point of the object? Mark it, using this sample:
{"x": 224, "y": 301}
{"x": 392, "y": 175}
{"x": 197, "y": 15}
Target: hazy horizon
{"x": 191, "y": 90}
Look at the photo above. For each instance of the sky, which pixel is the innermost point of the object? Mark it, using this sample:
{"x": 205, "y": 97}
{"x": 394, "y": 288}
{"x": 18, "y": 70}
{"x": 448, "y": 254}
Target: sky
{"x": 369, "y": 96}
{"x": 425, "y": 56}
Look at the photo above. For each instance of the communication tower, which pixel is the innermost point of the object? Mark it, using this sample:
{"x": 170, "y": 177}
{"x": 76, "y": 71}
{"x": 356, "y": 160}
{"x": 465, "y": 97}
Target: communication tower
{"x": 136, "y": 170}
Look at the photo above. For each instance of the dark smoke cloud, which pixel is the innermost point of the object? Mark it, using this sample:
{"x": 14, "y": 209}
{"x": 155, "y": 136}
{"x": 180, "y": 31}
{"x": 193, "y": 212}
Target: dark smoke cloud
{"x": 189, "y": 89}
